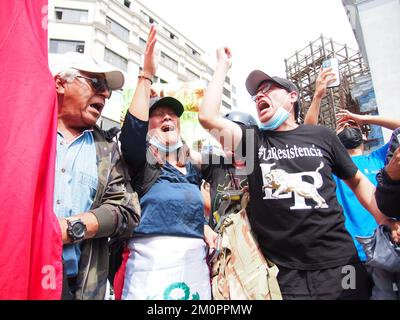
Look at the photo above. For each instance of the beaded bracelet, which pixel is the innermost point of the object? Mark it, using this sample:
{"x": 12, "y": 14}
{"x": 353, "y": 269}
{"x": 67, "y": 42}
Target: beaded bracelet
{"x": 144, "y": 77}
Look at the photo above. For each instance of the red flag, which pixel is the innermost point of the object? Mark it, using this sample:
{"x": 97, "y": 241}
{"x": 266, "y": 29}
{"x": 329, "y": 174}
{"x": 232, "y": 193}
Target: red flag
{"x": 30, "y": 239}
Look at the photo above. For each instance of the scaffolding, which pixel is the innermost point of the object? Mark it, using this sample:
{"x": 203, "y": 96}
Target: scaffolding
{"x": 304, "y": 66}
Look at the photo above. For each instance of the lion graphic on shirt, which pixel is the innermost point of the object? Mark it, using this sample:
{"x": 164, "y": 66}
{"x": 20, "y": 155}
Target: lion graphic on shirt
{"x": 281, "y": 181}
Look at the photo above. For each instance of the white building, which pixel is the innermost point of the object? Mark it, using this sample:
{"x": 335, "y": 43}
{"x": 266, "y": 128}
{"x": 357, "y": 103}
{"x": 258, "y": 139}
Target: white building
{"x": 376, "y": 24}
{"x": 115, "y": 32}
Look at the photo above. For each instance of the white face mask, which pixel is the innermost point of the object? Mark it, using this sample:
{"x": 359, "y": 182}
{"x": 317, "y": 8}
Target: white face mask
{"x": 163, "y": 148}
{"x": 279, "y": 117}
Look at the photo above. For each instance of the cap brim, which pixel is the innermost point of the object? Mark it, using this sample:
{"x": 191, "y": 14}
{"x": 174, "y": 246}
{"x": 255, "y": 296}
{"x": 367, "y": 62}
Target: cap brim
{"x": 254, "y": 79}
{"x": 170, "y": 102}
{"x": 115, "y": 78}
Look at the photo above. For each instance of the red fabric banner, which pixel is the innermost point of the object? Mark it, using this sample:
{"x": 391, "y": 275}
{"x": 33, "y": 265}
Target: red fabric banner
{"x": 31, "y": 247}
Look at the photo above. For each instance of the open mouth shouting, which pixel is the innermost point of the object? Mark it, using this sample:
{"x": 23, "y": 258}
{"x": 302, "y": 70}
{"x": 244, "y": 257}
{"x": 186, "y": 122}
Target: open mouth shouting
{"x": 97, "y": 106}
{"x": 167, "y": 127}
{"x": 263, "y": 107}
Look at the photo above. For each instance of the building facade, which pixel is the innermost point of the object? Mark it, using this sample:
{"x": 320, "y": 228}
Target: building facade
{"x": 115, "y": 32}
{"x": 376, "y": 25}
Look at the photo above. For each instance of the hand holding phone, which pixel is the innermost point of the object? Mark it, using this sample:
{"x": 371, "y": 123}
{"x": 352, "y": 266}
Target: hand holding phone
{"x": 334, "y": 64}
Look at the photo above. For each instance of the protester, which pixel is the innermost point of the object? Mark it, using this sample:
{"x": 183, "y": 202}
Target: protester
{"x": 167, "y": 255}
{"x": 91, "y": 198}
{"x": 225, "y": 173}
{"x": 358, "y": 221}
{"x": 294, "y": 211}
{"x": 388, "y": 190}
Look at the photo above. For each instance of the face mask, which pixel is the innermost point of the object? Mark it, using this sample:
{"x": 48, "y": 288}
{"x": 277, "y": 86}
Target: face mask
{"x": 279, "y": 117}
{"x": 351, "y": 137}
{"x": 163, "y": 148}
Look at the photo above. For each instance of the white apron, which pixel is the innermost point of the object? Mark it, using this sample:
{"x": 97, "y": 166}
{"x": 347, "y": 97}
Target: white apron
{"x": 167, "y": 268}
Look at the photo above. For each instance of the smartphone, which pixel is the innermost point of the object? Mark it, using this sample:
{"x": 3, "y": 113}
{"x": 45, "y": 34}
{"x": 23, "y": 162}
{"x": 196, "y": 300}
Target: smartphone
{"x": 334, "y": 64}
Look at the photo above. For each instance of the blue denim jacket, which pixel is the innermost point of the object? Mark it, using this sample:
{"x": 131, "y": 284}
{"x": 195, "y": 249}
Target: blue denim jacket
{"x": 75, "y": 186}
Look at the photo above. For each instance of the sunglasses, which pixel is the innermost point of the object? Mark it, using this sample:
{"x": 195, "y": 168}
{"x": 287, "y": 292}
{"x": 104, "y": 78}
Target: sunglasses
{"x": 98, "y": 84}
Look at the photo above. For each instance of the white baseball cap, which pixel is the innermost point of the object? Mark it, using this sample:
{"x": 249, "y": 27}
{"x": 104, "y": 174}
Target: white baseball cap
{"x": 82, "y": 62}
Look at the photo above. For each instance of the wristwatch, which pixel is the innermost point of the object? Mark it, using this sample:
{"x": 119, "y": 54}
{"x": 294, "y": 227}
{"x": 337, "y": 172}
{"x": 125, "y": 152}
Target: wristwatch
{"x": 76, "y": 230}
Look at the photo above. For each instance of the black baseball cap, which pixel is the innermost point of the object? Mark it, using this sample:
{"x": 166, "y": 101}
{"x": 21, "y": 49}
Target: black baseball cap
{"x": 169, "y": 102}
{"x": 257, "y": 77}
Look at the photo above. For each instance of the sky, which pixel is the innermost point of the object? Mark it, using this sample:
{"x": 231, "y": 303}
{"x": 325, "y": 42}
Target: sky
{"x": 260, "y": 33}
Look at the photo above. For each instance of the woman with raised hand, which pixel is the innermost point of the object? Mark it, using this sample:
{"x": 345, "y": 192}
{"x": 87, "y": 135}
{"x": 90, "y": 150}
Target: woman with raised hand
{"x": 167, "y": 253}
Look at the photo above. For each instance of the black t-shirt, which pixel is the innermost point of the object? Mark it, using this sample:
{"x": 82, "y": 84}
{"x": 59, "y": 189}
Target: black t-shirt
{"x": 221, "y": 175}
{"x": 294, "y": 211}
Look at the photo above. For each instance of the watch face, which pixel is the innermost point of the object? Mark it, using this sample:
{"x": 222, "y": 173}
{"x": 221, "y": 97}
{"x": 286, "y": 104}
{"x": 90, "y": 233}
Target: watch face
{"x": 78, "y": 230}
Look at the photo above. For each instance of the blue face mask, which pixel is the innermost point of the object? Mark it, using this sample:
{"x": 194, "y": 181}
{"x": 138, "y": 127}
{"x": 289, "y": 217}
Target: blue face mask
{"x": 163, "y": 148}
{"x": 279, "y": 117}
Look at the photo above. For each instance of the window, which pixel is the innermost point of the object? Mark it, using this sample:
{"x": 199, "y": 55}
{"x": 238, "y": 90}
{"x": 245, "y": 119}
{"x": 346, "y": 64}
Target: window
{"x": 169, "y": 62}
{"x": 148, "y": 18}
{"x": 142, "y": 44}
{"x": 71, "y": 15}
{"x": 210, "y": 71}
{"x": 191, "y": 75}
{"x": 116, "y": 60}
{"x": 192, "y": 51}
{"x": 227, "y": 93}
{"x": 127, "y": 3}
{"x": 118, "y": 29}
{"x": 234, "y": 89}
{"x": 227, "y": 80}
{"x": 63, "y": 46}
{"x": 226, "y": 105}
{"x": 234, "y": 102}
{"x": 170, "y": 34}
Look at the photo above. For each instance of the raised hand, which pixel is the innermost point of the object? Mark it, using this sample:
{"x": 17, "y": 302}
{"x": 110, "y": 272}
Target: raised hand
{"x": 150, "y": 62}
{"x": 224, "y": 56}
{"x": 344, "y": 115}
{"x": 325, "y": 77}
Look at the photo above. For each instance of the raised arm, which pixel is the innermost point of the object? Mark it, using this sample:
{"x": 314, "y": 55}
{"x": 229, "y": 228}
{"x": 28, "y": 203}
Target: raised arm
{"x": 365, "y": 192}
{"x": 134, "y": 129}
{"x": 222, "y": 129}
{"x": 325, "y": 77}
{"x": 140, "y": 103}
{"x": 388, "y": 123}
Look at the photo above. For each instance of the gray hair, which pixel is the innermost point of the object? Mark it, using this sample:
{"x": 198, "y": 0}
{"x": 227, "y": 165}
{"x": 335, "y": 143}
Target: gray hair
{"x": 68, "y": 74}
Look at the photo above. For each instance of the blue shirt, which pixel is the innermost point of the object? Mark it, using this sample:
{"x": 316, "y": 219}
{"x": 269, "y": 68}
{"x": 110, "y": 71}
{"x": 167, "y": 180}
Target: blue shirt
{"x": 75, "y": 186}
{"x": 359, "y": 222}
{"x": 174, "y": 204}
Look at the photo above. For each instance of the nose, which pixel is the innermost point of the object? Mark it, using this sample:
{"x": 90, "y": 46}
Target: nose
{"x": 167, "y": 116}
{"x": 106, "y": 92}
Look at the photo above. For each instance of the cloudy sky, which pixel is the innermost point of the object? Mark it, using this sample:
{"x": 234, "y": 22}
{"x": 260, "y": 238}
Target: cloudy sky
{"x": 261, "y": 33}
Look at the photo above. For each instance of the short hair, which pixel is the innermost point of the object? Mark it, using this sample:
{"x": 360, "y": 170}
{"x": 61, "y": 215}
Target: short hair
{"x": 68, "y": 74}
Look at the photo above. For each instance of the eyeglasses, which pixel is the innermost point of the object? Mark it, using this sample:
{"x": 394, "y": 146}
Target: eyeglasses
{"x": 263, "y": 91}
{"x": 98, "y": 84}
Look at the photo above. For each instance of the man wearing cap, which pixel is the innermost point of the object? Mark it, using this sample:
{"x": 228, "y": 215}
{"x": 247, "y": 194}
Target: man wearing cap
{"x": 294, "y": 212}
{"x": 167, "y": 259}
{"x": 91, "y": 198}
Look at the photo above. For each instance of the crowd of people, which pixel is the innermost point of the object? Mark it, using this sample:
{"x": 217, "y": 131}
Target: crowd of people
{"x": 312, "y": 191}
